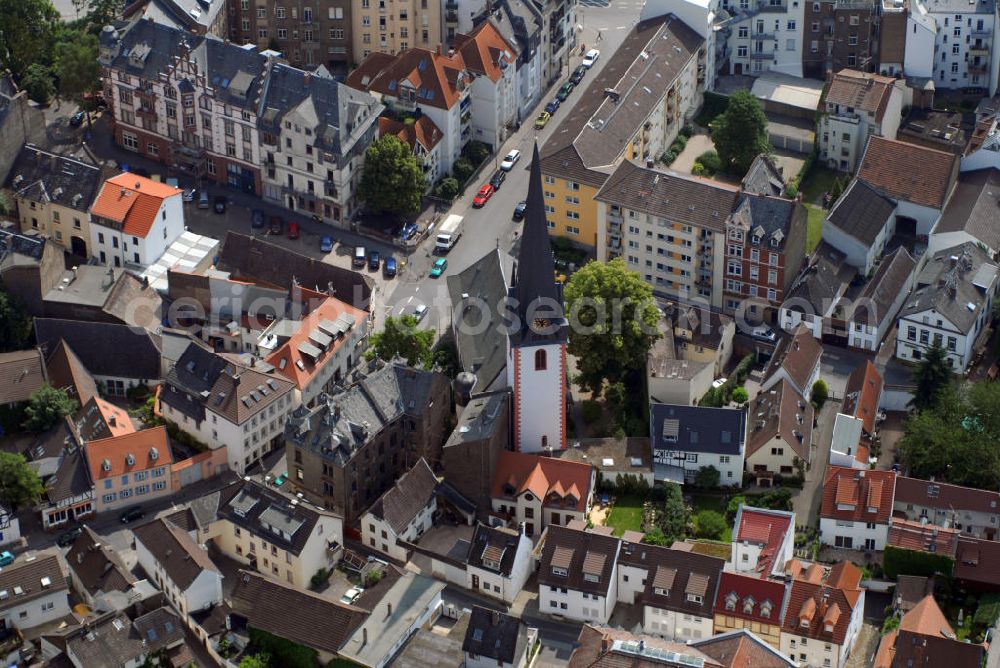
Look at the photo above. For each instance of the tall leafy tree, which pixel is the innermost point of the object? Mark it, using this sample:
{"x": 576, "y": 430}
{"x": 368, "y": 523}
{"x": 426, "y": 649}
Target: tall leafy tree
{"x": 932, "y": 376}
{"x": 612, "y": 322}
{"x": 740, "y": 133}
{"x": 673, "y": 519}
{"x": 15, "y": 324}
{"x": 37, "y": 82}
{"x": 76, "y": 66}
{"x": 27, "y": 33}
{"x": 19, "y": 484}
{"x": 392, "y": 181}
{"x": 46, "y": 407}
{"x": 400, "y": 336}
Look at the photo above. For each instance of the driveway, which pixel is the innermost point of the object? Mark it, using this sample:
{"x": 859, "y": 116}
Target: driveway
{"x": 696, "y": 145}
{"x": 807, "y": 501}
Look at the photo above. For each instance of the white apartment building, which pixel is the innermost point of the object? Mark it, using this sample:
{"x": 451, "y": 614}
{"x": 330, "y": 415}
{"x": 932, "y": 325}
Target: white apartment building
{"x": 951, "y": 43}
{"x": 493, "y": 63}
{"x": 577, "y": 575}
{"x": 765, "y": 35}
{"x": 34, "y": 590}
{"x": 858, "y": 105}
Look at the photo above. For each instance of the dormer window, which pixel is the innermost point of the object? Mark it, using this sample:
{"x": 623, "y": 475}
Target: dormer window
{"x": 804, "y": 622}
{"x": 765, "y": 609}
{"x": 731, "y": 599}
{"x": 561, "y": 572}
{"x": 828, "y": 627}
{"x": 130, "y": 459}
{"x": 748, "y": 604}
{"x": 590, "y": 577}
{"x": 660, "y": 591}
{"x": 695, "y": 598}
{"x": 755, "y": 239}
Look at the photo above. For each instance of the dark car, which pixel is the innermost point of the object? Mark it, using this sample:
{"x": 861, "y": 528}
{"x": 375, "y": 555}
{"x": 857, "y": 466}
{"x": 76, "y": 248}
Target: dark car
{"x": 257, "y": 219}
{"x": 407, "y": 231}
{"x": 132, "y": 514}
{"x": 566, "y": 89}
{"x": 293, "y": 230}
{"x": 498, "y": 179}
{"x": 389, "y": 267}
{"x": 66, "y": 538}
{"x": 374, "y": 261}
{"x": 77, "y": 119}
{"x": 219, "y": 205}
{"x": 578, "y": 74}
{"x": 276, "y": 225}
{"x": 519, "y": 210}
{"x": 552, "y": 106}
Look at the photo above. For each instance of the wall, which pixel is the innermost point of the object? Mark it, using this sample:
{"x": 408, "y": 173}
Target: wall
{"x": 378, "y": 535}
{"x": 343, "y": 359}
{"x": 918, "y": 59}
{"x": 574, "y": 218}
{"x": 769, "y": 633}
{"x": 781, "y": 463}
{"x": 859, "y": 532}
{"x": 539, "y": 396}
{"x": 676, "y": 626}
{"x": 858, "y": 254}
{"x": 124, "y": 490}
{"x": 590, "y": 608}
{"x": 205, "y": 591}
{"x": 41, "y": 610}
{"x": 683, "y": 391}
{"x": 10, "y": 528}
{"x": 815, "y": 652}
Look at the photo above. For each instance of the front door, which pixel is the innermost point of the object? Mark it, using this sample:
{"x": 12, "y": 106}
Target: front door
{"x": 475, "y": 582}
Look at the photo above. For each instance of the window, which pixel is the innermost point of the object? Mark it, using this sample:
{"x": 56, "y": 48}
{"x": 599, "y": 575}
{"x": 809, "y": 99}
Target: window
{"x": 540, "y": 360}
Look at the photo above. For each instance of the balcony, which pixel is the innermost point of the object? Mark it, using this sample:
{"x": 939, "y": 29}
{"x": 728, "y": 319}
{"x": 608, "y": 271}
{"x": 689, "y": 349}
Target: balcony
{"x": 761, "y": 36}
{"x": 839, "y": 5}
{"x": 978, "y": 68}
{"x": 981, "y": 32}
{"x": 451, "y": 17}
{"x": 979, "y": 52}
{"x": 762, "y": 55}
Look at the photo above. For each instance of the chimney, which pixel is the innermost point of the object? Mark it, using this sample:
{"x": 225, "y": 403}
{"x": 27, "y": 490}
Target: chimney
{"x": 440, "y": 50}
{"x": 605, "y": 644}
{"x": 364, "y": 636}
{"x": 495, "y": 618}
{"x": 305, "y": 78}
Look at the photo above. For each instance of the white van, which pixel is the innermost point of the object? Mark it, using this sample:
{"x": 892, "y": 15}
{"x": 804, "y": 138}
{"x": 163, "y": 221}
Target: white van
{"x": 359, "y": 256}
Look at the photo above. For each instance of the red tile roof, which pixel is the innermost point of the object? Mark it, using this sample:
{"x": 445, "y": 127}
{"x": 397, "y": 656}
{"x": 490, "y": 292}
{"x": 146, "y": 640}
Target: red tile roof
{"x": 923, "y": 537}
{"x": 976, "y": 561}
{"x": 517, "y": 473}
{"x": 110, "y": 457}
{"x": 823, "y": 610}
{"x": 888, "y": 165}
{"x": 942, "y": 495}
{"x": 423, "y": 131}
{"x": 861, "y": 90}
{"x": 485, "y": 51}
{"x": 858, "y": 495}
{"x": 132, "y": 201}
{"x": 766, "y": 529}
{"x": 862, "y": 393}
{"x": 117, "y": 419}
{"x": 744, "y": 595}
{"x": 437, "y": 80}
{"x": 926, "y": 618}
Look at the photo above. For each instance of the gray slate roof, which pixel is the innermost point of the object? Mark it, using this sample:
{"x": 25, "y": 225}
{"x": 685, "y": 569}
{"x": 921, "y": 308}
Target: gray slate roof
{"x": 884, "y": 287}
{"x": 481, "y": 350}
{"x": 27, "y": 575}
{"x": 109, "y": 642}
{"x": 404, "y": 500}
{"x": 500, "y": 542}
{"x": 770, "y": 214}
{"x": 951, "y": 288}
{"x": 105, "y": 349}
{"x": 495, "y": 635}
{"x": 159, "y": 628}
{"x": 19, "y": 249}
{"x": 861, "y": 212}
{"x": 975, "y": 207}
{"x": 821, "y": 282}
{"x": 250, "y": 505}
{"x": 45, "y": 177}
{"x": 764, "y": 178}
{"x": 697, "y": 429}
{"x": 520, "y": 23}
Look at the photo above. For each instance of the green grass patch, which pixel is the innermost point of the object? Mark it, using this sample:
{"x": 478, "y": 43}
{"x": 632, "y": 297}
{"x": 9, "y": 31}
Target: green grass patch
{"x": 818, "y": 181}
{"x": 712, "y": 548}
{"x": 626, "y": 515}
{"x": 814, "y": 232}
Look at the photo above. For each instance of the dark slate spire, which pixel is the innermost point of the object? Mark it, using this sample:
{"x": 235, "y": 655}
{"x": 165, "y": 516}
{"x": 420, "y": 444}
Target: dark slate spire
{"x": 535, "y": 289}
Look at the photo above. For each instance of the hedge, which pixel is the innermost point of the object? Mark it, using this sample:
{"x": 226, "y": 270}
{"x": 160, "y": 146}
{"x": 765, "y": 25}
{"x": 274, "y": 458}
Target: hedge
{"x": 283, "y": 652}
{"x": 898, "y": 561}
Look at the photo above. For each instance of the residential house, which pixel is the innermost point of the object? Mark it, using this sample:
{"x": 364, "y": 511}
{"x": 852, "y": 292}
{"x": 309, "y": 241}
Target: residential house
{"x": 762, "y": 37}
{"x": 862, "y": 398}
{"x": 751, "y": 603}
{"x": 702, "y": 335}
{"x": 815, "y": 295}
{"x": 613, "y": 457}
{"x": 314, "y": 132}
{"x": 675, "y": 381}
{"x": 837, "y": 35}
{"x": 940, "y": 129}
{"x": 179, "y": 566}
{"x": 131, "y": 468}
{"x": 495, "y": 639}
{"x": 975, "y": 564}
{"x": 741, "y": 649}
{"x": 99, "y": 419}
{"x": 969, "y": 213}
{"x": 102, "y": 294}
{"x": 133, "y": 220}
{"x": 29, "y": 265}
{"x": 427, "y": 82}
{"x": 321, "y": 350}
{"x": 524, "y": 26}
{"x": 414, "y": 24}
{"x": 403, "y": 513}
{"x": 347, "y": 451}
{"x": 491, "y": 60}
{"x": 540, "y": 491}
{"x": 423, "y": 137}
{"x": 111, "y": 639}
{"x": 22, "y": 373}
{"x": 59, "y": 460}
{"x": 95, "y": 568}
{"x": 21, "y": 122}
{"x": 499, "y": 562}
{"x": 66, "y": 372}
{"x": 857, "y": 508}
{"x": 922, "y": 537}
{"x": 763, "y": 542}
{"x": 876, "y": 308}
{"x": 241, "y": 409}
{"x": 577, "y": 574}
{"x": 34, "y": 591}
{"x": 930, "y": 51}
{"x": 779, "y": 442}
{"x": 306, "y": 35}
{"x": 52, "y": 195}
{"x": 604, "y": 646}
{"x": 185, "y": 100}
{"x": 858, "y": 106}
{"x": 822, "y": 619}
{"x": 950, "y": 305}
{"x": 663, "y": 55}
{"x": 636, "y": 202}
{"x": 286, "y": 538}
{"x": 973, "y": 512}
{"x": 925, "y": 637}
{"x": 796, "y": 359}
{"x": 688, "y": 438}
{"x": 860, "y": 225}
{"x": 185, "y": 15}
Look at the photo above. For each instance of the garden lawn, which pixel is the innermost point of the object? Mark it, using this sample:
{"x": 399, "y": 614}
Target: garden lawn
{"x": 625, "y": 515}
{"x": 711, "y": 502}
{"x": 814, "y": 231}
{"x": 818, "y": 181}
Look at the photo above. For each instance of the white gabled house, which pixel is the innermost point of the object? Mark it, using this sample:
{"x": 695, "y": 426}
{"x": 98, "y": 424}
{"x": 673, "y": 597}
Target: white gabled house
{"x": 403, "y": 513}
{"x": 499, "y": 562}
{"x": 180, "y": 567}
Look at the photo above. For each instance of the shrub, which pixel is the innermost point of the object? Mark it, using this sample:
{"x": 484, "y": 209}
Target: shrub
{"x": 709, "y": 524}
{"x": 463, "y": 169}
{"x": 591, "y": 411}
{"x": 476, "y": 152}
{"x": 655, "y": 537}
{"x": 447, "y": 188}
{"x": 372, "y": 578}
{"x": 711, "y": 161}
{"x": 897, "y": 561}
{"x": 740, "y": 395}
{"x": 988, "y": 610}
{"x": 698, "y": 169}
{"x": 820, "y": 392}
{"x": 792, "y": 190}
{"x": 890, "y": 624}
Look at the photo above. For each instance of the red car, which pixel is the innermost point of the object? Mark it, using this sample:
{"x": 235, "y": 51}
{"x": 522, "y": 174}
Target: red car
{"x": 293, "y": 230}
{"x": 485, "y": 193}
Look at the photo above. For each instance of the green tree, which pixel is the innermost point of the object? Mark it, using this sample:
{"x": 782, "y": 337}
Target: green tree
{"x": 655, "y": 537}
{"x": 392, "y": 181}
{"x": 15, "y": 324}
{"x": 931, "y": 376}
{"x": 102, "y": 12}
{"x": 673, "y": 519}
{"x": 259, "y": 660}
{"x": 709, "y": 524}
{"x": 28, "y": 29}
{"x": 446, "y": 359}
{"x": 400, "y": 336}
{"x": 820, "y": 393}
{"x": 37, "y": 82}
{"x": 19, "y": 484}
{"x": 836, "y": 190}
{"x": 76, "y": 66}
{"x": 734, "y": 506}
{"x": 47, "y": 407}
{"x": 707, "y": 477}
{"x": 740, "y": 133}
{"x": 613, "y": 322}
{"x": 462, "y": 169}
{"x": 740, "y": 395}
{"x": 447, "y": 188}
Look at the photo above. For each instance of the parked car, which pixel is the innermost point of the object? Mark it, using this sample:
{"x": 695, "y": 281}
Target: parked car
{"x": 578, "y": 74}
{"x": 6, "y": 558}
{"x": 256, "y": 218}
{"x": 542, "y": 120}
{"x": 510, "y": 160}
{"x": 566, "y": 89}
{"x": 407, "y": 231}
{"x": 389, "y": 267}
{"x": 552, "y": 106}
{"x": 438, "y": 267}
{"x": 590, "y": 58}
{"x": 483, "y": 196}
{"x": 764, "y": 333}
{"x": 374, "y": 261}
{"x": 497, "y": 179}
{"x": 359, "y": 256}
{"x": 203, "y": 202}
{"x": 132, "y": 514}
{"x": 519, "y": 210}
{"x": 189, "y": 194}
{"x": 219, "y": 205}
{"x": 326, "y": 244}
{"x": 77, "y": 119}
{"x": 276, "y": 225}
{"x": 293, "y": 230}
{"x": 420, "y": 312}
{"x": 351, "y": 595}
{"x": 280, "y": 480}
{"x": 66, "y": 538}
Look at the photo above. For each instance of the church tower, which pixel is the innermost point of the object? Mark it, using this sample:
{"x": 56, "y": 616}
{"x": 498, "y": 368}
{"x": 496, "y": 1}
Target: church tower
{"x": 536, "y": 339}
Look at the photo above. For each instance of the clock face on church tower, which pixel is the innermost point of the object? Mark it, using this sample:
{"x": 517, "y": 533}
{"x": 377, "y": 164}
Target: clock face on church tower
{"x": 541, "y": 323}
